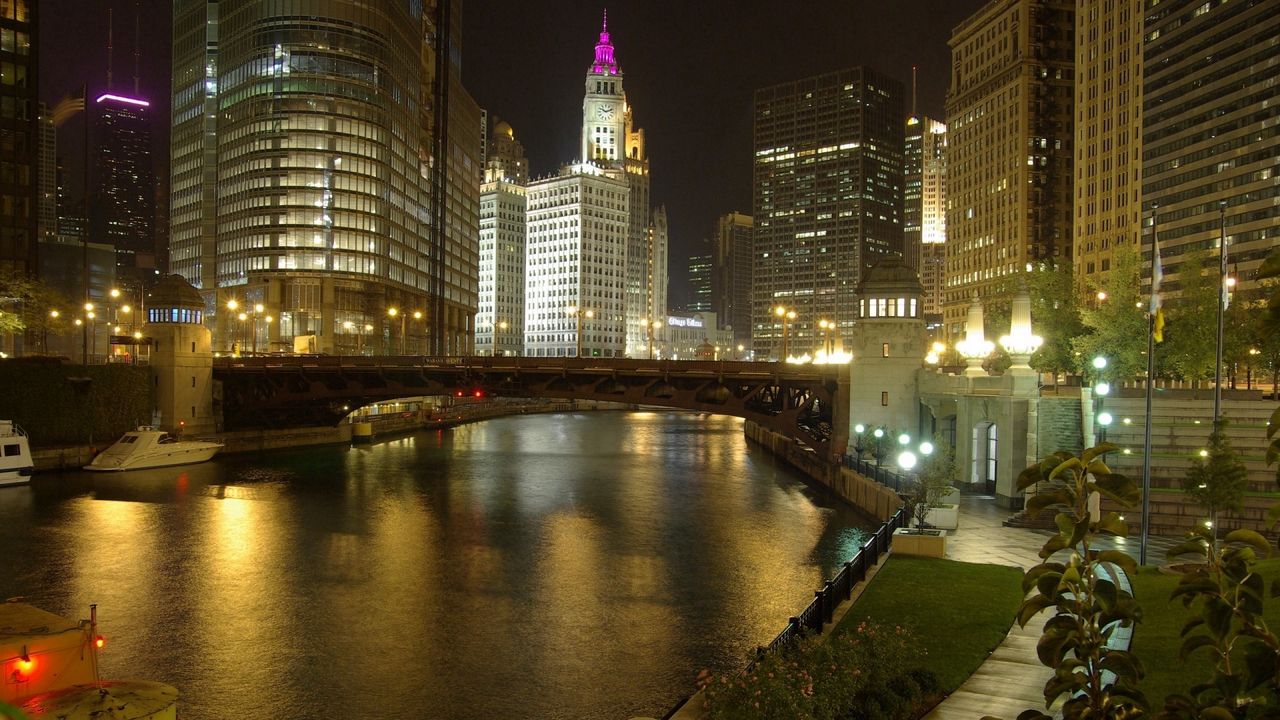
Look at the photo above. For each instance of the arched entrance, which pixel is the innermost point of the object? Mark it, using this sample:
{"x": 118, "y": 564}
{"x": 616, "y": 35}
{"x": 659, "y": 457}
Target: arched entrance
{"x": 982, "y": 475}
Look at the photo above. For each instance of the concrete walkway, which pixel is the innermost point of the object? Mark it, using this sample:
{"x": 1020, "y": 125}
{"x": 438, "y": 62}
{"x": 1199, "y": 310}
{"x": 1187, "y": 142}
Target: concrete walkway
{"x": 1011, "y": 679}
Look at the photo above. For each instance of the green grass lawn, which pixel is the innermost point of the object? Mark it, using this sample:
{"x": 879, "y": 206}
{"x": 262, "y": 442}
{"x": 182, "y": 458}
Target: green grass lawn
{"x": 959, "y": 611}
{"x": 1156, "y": 641}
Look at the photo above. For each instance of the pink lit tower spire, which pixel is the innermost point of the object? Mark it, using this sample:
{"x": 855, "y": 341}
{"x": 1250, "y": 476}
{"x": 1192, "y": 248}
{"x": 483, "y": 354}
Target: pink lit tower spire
{"x": 604, "y": 63}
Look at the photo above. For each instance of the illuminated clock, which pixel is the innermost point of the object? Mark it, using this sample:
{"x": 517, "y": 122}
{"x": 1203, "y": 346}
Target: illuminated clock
{"x": 604, "y": 112}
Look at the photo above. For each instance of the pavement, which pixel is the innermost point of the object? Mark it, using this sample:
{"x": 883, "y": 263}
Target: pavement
{"x": 1011, "y": 679}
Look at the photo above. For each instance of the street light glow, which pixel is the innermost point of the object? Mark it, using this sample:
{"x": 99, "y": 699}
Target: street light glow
{"x": 1099, "y": 363}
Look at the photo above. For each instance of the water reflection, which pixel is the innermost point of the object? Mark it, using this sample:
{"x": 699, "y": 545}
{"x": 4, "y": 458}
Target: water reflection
{"x": 575, "y": 566}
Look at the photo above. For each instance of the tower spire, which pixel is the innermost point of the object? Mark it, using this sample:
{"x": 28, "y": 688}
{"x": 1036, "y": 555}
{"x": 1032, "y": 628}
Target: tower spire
{"x": 913, "y": 90}
{"x": 137, "y": 48}
{"x": 109, "y": 52}
{"x": 604, "y": 64}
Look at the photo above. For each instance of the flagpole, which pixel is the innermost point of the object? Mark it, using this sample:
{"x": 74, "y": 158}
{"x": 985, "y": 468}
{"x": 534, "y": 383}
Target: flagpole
{"x": 1222, "y": 297}
{"x": 1146, "y": 443}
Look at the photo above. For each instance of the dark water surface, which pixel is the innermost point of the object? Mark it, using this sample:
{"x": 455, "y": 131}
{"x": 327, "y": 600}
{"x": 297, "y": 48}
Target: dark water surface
{"x": 554, "y": 566}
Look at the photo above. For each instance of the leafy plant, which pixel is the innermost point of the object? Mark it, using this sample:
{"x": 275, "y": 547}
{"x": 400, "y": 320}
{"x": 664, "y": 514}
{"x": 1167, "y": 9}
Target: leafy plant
{"x": 1228, "y": 596}
{"x": 1217, "y": 482}
{"x": 1090, "y": 605}
{"x": 870, "y": 672}
{"x": 1055, "y": 311}
{"x": 937, "y": 475}
{"x": 1191, "y": 339}
{"x": 1117, "y": 326}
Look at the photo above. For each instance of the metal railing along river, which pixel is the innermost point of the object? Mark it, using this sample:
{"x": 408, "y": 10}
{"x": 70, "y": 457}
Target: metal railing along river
{"x": 825, "y": 601}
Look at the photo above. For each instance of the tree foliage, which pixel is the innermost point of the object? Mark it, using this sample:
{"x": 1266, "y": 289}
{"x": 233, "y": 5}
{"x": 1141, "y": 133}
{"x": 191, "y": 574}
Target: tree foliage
{"x": 1191, "y": 333}
{"x": 1055, "y": 317}
{"x": 25, "y": 306}
{"x": 1090, "y": 604}
{"x": 1217, "y": 482}
{"x": 1117, "y": 327}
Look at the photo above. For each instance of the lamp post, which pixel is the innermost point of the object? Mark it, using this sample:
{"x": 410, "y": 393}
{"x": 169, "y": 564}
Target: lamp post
{"x": 257, "y": 310}
{"x": 232, "y": 305}
{"x": 367, "y": 329}
{"x": 242, "y": 317}
{"x": 93, "y": 330}
{"x": 738, "y": 355}
{"x": 348, "y": 326}
{"x": 498, "y": 330}
{"x": 651, "y": 326}
{"x": 417, "y": 315}
{"x": 84, "y": 335}
{"x": 393, "y": 313}
{"x": 580, "y": 313}
{"x": 785, "y": 316}
{"x": 53, "y": 317}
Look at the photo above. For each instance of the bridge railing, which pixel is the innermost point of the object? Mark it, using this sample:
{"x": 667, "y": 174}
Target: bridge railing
{"x": 899, "y": 482}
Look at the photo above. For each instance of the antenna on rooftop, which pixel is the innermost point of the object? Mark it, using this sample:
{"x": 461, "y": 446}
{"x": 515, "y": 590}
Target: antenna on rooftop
{"x": 137, "y": 49}
{"x": 109, "y": 29}
{"x": 913, "y": 90}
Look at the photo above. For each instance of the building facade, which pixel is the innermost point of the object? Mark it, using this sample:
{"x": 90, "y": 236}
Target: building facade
{"x": 1009, "y": 136}
{"x": 827, "y": 199}
{"x": 503, "y": 218}
{"x": 1211, "y": 132}
{"x": 19, "y": 128}
{"x": 123, "y": 200}
{"x": 504, "y": 157}
{"x": 1108, "y": 147}
{"x": 327, "y": 168}
{"x": 731, "y": 275}
{"x": 575, "y": 264}
{"x": 699, "y": 277}
{"x": 924, "y": 206}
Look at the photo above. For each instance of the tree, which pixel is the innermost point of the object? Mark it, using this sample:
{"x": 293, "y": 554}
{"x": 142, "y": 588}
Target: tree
{"x": 1055, "y": 317}
{"x": 1117, "y": 326}
{"x": 25, "y": 304}
{"x": 1091, "y": 605}
{"x": 1191, "y": 335}
{"x": 937, "y": 475}
{"x": 1217, "y": 481}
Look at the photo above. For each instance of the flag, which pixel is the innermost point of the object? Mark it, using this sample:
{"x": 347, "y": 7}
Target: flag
{"x": 68, "y": 107}
{"x": 1157, "y": 275}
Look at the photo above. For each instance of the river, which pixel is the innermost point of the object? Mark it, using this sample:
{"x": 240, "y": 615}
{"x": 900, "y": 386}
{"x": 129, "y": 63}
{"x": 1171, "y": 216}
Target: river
{"x": 582, "y": 565}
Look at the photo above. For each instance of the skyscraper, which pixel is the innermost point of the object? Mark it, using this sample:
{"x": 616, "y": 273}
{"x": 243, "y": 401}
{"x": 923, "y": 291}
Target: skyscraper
{"x": 19, "y": 136}
{"x": 1211, "y": 131}
{"x": 1009, "y": 134}
{"x": 503, "y": 217}
{"x": 827, "y": 199}
{"x": 700, "y": 281}
{"x": 123, "y": 200}
{"x": 924, "y": 206}
{"x": 1108, "y": 146}
{"x": 731, "y": 275}
{"x": 326, "y": 166}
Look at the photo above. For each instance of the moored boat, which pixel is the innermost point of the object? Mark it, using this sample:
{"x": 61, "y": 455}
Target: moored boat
{"x": 148, "y": 447}
{"x": 15, "y": 455}
{"x": 50, "y": 666}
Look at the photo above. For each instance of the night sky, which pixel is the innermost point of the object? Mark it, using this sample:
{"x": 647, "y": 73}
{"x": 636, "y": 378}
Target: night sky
{"x": 690, "y": 69}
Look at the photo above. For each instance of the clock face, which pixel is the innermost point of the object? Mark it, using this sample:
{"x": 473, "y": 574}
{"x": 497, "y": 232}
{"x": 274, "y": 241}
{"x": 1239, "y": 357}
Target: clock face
{"x": 605, "y": 112}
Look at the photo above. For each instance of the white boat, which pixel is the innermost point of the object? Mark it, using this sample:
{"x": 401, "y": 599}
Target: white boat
{"x": 15, "y": 455}
{"x": 148, "y": 447}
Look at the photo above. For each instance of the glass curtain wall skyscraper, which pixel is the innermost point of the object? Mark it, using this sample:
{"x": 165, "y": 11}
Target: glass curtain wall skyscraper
{"x": 827, "y": 200}
{"x": 323, "y": 170}
{"x": 19, "y": 136}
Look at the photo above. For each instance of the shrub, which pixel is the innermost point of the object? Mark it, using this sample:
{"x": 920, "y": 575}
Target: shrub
{"x": 867, "y": 673}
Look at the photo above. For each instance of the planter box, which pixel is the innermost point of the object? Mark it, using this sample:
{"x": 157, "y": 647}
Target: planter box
{"x": 933, "y": 543}
{"x": 944, "y": 516}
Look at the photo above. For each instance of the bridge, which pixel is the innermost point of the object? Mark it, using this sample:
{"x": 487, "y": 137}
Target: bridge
{"x": 807, "y": 402}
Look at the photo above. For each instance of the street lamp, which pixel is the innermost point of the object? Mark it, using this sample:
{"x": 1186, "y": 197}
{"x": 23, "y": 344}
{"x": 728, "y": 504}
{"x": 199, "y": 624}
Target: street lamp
{"x": 579, "y": 313}
{"x": 393, "y": 312}
{"x": 93, "y": 329}
{"x": 53, "y": 317}
{"x": 257, "y": 310}
{"x": 498, "y": 330}
{"x": 241, "y": 317}
{"x": 84, "y": 336}
{"x": 348, "y": 326}
{"x": 785, "y": 316}
{"x": 417, "y": 315}
{"x": 651, "y": 326}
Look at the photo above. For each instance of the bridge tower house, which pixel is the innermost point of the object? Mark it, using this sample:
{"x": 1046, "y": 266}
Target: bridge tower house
{"x": 888, "y": 345}
{"x": 181, "y": 357}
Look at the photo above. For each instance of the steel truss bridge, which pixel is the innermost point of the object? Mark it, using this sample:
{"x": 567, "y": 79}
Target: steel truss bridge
{"x": 809, "y": 403}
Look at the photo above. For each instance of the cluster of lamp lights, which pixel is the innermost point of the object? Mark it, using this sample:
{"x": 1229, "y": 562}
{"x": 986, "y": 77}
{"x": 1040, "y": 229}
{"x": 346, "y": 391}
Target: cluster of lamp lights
{"x": 907, "y": 459}
{"x": 89, "y": 319}
{"x": 244, "y": 315}
{"x": 825, "y": 355}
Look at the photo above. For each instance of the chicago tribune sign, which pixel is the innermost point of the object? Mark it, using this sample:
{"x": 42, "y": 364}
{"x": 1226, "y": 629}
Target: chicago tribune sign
{"x": 684, "y": 322}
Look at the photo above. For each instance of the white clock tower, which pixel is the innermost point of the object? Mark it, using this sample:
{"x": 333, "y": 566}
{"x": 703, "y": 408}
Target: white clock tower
{"x": 604, "y": 107}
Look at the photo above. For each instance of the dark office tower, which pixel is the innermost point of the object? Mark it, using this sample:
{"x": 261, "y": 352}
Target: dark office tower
{"x": 326, "y": 166}
{"x": 1211, "y": 131}
{"x": 123, "y": 201}
{"x": 731, "y": 278}
{"x": 699, "y": 283}
{"x": 827, "y": 200}
{"x": 19, "y": 137}
{"x": 47, "y": 172}
{"x": 1009, "y": 134}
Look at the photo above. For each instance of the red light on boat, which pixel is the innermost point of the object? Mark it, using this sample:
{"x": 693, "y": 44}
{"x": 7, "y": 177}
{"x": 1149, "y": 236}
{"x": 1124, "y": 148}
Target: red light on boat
{"x": 23, "y": 669}
{"x": 459, "y": 393}
{"x": 99, "y": 642}
{"x": 479, "y": 393}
